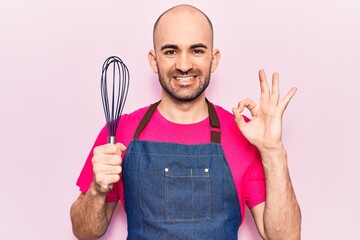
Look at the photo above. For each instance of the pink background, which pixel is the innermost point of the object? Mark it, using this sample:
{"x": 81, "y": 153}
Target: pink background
{"x": 51, "y": 54}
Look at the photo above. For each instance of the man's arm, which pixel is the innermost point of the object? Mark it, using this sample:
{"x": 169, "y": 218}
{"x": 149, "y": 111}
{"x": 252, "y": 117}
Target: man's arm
{"x": 279, "y": 216}
{"x": 90, "y": 213}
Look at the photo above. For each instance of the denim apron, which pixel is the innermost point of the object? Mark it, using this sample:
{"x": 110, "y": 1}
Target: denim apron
{"x": 178, "y": 191}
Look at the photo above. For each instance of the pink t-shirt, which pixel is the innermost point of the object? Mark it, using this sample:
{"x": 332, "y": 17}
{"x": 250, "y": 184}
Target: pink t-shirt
{"x": 243, "y": 158}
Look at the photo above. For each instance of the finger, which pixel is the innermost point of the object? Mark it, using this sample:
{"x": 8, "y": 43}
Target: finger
{"x": 103, "y": 171}
{"x": 249, "y": 104}
{"x": 106, "y": 181}
{"x": 121, "y": 147}
{"x": 107, "y": 159}
{"x": 264, "y": 88}
{"x": 246, "y": 103}
{"x": 285, "y": 101}
{"x": 275, "y": 89}
{"x": 114, "y": 160}
{"x": 239, "y": 119}
{"x": 107, "y": 169}
{"x": 105, "y": 149}
{"x": 112, "y": 179}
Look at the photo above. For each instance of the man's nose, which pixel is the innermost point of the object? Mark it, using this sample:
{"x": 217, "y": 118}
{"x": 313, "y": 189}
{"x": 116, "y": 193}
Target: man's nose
{"x": 184, "y": 62}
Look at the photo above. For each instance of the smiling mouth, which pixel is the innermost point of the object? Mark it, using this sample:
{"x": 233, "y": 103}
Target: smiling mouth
{"x": 185, "y": 79}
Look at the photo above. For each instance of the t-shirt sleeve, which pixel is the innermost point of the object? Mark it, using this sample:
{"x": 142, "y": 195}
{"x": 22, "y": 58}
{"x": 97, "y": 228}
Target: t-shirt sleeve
{"x": 86, "y": 176}
{"x": 256, "y": 187}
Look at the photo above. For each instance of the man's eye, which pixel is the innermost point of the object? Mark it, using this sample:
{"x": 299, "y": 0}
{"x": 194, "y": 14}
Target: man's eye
{"x": 170, "y": 52}
{"x": 198, "y": 51}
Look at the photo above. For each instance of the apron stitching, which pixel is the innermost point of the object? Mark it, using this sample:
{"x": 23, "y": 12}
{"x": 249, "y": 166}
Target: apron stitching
{"x": 180, "y": 155}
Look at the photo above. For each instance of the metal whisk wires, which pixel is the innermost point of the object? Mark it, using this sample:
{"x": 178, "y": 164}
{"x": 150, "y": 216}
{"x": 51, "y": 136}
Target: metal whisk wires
{"x": 114, "y": 92}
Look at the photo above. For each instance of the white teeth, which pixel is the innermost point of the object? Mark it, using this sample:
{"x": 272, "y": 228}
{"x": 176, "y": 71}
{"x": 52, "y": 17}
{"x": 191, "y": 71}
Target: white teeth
{"x": 184, "y": 79}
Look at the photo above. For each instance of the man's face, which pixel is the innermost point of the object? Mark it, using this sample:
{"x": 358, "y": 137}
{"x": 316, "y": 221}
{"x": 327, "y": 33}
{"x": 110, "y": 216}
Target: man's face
{"x": 183, "y": 54}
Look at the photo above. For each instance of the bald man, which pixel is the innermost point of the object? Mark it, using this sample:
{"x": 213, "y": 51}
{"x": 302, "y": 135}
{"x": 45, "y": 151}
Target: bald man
{"x": 183, "y": 168}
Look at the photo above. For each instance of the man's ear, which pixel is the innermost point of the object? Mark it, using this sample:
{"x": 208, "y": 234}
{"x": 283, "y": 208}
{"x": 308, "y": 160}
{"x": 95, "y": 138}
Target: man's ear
{"x": 152, "y": 61}
{"x": 215, "y": 59}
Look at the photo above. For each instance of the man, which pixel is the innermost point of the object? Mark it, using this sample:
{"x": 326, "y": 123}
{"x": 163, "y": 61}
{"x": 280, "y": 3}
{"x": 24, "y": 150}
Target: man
{"x": 189, "y": 168}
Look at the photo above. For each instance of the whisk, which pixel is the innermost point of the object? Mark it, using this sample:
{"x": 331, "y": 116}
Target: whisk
{"x": 114, "y": 94}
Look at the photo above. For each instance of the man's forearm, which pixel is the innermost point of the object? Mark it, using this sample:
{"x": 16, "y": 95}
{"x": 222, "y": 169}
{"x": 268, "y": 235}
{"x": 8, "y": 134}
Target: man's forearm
{"x": 88, "y": 215}
{"x": 282, "y": 216}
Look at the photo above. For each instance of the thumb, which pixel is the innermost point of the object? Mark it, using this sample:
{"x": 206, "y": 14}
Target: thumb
{"x": 239, "y": 119}
{"x": 121, "y": 147}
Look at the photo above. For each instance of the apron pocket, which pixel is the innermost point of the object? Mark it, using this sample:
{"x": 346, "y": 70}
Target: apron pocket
{"x": 187, "y": 194}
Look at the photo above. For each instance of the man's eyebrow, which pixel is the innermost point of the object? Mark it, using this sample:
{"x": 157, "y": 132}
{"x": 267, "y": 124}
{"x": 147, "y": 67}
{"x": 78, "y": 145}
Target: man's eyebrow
{"x": 199, "y": 45}
{"x": 171, "y": 46}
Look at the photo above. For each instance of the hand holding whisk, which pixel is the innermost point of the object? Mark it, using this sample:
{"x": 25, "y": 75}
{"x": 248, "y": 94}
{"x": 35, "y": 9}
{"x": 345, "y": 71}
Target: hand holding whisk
{"x": 114, "y": 93}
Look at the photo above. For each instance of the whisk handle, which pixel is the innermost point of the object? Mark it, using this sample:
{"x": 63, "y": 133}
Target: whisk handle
{"x": 111, "y": 140}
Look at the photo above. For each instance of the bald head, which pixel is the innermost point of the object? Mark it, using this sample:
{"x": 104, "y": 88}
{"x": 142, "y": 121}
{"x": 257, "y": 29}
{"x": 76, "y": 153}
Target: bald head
{"x": 181, "y": 14}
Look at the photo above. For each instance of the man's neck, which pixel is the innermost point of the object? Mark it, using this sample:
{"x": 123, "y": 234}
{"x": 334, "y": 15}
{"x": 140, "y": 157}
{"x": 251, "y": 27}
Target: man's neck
{"x": 183, "y": 112}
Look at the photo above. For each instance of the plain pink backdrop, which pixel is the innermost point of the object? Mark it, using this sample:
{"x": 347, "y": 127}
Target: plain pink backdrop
{"x": 51, "y": 53}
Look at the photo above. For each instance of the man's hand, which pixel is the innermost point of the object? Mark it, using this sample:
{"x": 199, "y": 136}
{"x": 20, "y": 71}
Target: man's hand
{"x": 280, "y": 216}
{"x": 90, "y": 213}
{"x": 107, "y": 166}
{"x": 264, "y": 129}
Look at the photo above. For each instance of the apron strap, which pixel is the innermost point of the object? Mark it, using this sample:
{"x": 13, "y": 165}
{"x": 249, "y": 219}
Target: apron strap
{"x": 144, "y": 121}
{"x": 214, "y": 122}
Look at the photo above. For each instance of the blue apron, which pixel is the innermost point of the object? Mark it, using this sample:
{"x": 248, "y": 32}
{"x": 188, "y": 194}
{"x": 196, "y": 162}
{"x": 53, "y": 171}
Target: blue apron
{"x": 177, "y": 191}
